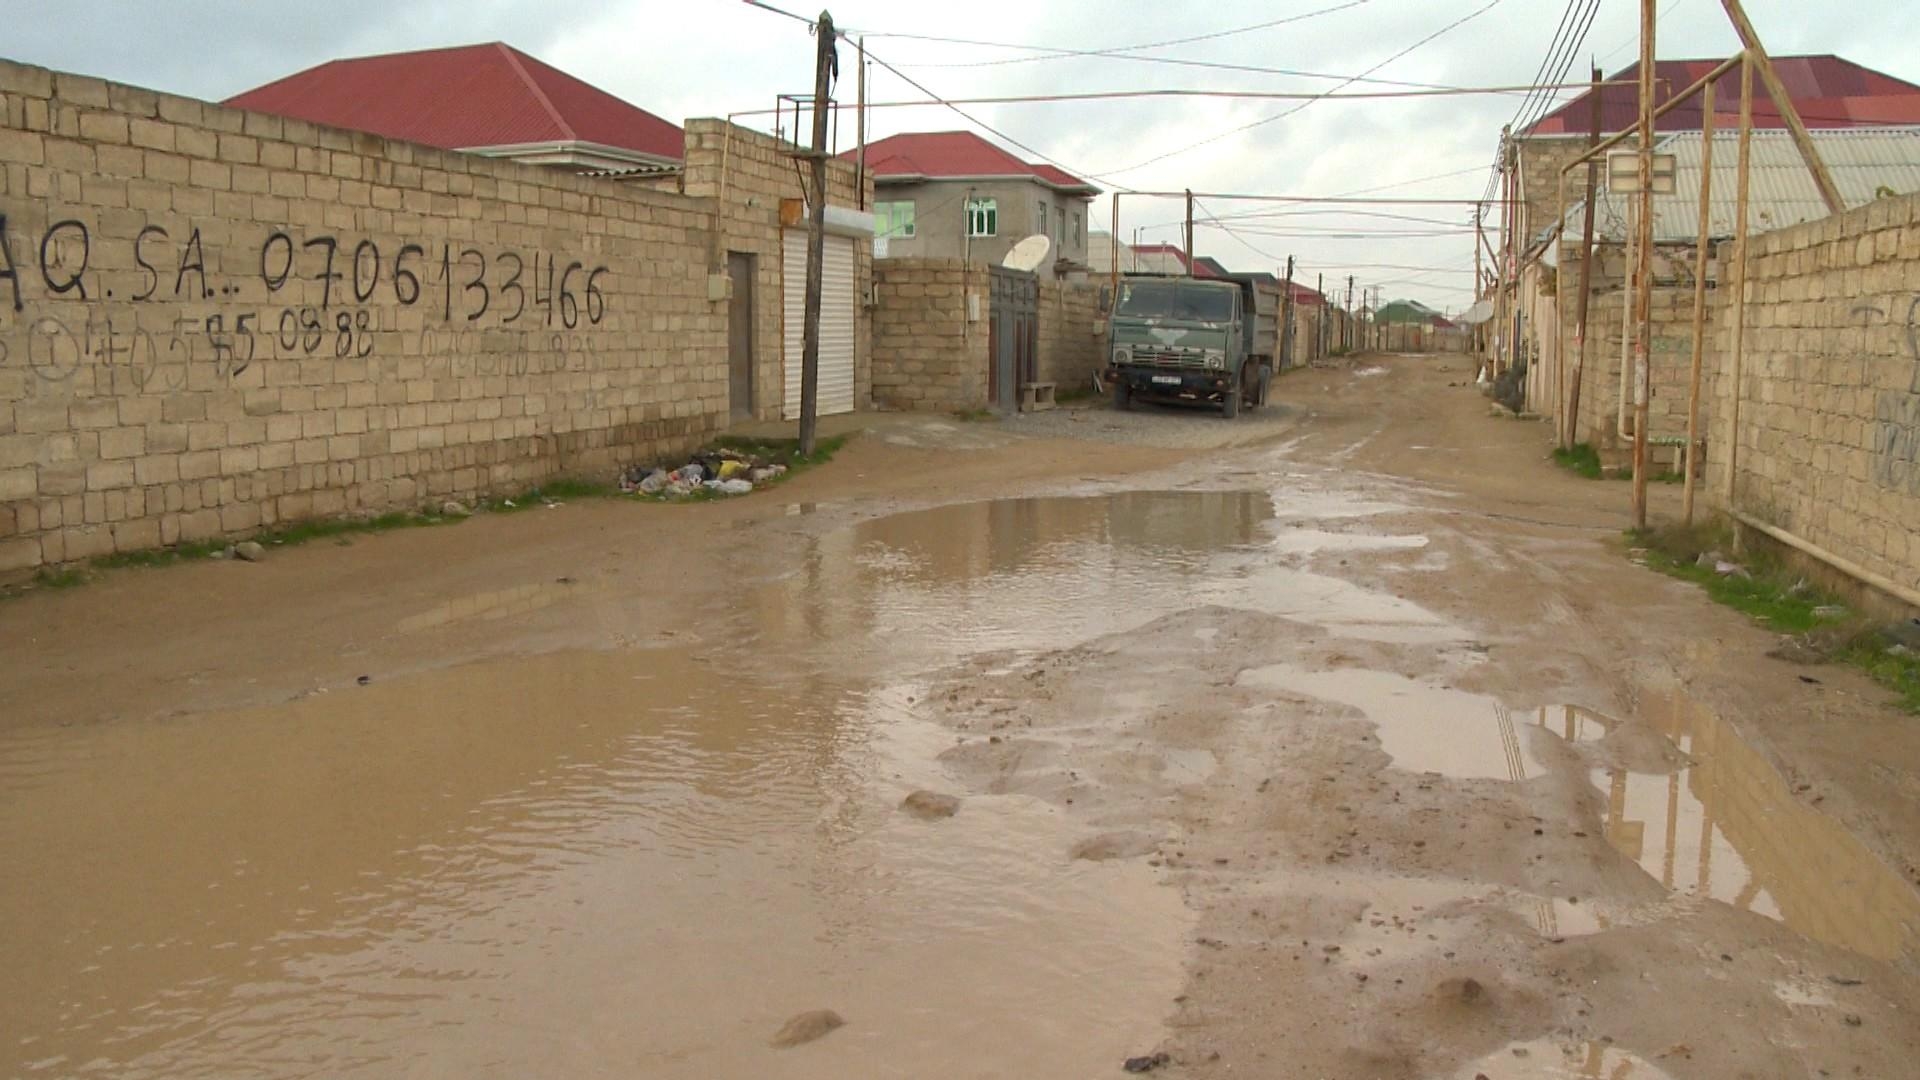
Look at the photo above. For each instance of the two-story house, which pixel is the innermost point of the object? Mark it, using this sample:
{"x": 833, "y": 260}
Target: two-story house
{"x": 954, "y": 195}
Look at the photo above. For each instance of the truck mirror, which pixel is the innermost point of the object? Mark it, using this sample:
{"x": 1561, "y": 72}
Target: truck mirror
{"x": 1106, "y": 298}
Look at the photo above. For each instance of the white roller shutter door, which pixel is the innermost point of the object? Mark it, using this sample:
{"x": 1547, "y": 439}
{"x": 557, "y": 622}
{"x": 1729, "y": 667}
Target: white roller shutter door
{"x": 837, "y": 308}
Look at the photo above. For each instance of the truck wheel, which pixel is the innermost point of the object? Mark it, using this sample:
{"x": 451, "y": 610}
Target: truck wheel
{"x": 1230, "y": 403}
{"x": 1122, "y": 395}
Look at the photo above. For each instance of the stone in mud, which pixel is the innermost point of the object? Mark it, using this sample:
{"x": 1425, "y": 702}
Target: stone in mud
{"x": 454, "y": 508}
{"x": 249, "y": 551}
{"x": 1114, "y": 845}
{"x": 931, "y": 805}
{"x": 1146, "y": 1062}
{"x": 806, "y": 1027}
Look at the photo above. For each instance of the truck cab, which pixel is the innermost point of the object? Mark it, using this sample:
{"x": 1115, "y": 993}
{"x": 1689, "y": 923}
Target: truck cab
{"x": 1183, "y": 339}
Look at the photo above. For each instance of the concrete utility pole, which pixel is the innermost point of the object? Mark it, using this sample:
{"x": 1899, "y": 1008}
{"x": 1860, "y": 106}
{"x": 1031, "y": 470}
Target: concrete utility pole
{"x": 1286, "y": 328}
{"x": 1320, "y": 334}
{"x": 1189, "y": 232}
{"x": 1346, "y": 332}
{"x": 860, "y": 123}
{"x": 1586, "y": 273}
{"x": 824, "y": 64}
{"x": 1643, "y": 272}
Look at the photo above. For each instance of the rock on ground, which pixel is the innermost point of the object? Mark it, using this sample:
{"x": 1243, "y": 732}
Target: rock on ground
{"x": 930, "y": 805}
{"x": 807, "y": 1027}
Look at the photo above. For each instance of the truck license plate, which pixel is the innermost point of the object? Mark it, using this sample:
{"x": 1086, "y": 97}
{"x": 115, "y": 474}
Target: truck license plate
{"x": 1167, "y": 380}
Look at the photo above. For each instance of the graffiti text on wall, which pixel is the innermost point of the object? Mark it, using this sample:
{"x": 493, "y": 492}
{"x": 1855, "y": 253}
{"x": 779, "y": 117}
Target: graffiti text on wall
{"x": 323, "y": 297}
{"x": 1896, "y": 413}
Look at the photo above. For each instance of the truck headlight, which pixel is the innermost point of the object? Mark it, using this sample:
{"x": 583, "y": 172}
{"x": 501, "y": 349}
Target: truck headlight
{"x": 1215, "y": 360}
{"x": 1122, "y": 356}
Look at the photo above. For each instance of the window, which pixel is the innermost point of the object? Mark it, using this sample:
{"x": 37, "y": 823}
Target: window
{"x": 1040, "y": 217}
{"x": 1079, "y": 229}
{"x": 893, "y": 219}
{"x": 983, "y": 217}
{"x": 1176, "y": 300}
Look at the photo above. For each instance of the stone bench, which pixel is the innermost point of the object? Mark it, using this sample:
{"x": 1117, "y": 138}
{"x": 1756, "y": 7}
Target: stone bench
{"x": 1036, "y": 397}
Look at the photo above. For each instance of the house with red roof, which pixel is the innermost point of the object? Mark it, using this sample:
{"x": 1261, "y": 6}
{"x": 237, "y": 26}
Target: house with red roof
{"x": 954, "y": 195}
{"x": 487, "y": 99}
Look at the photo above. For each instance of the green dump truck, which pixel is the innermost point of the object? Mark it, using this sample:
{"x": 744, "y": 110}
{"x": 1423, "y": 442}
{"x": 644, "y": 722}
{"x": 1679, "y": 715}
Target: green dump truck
{"x": 1193, "y": 340}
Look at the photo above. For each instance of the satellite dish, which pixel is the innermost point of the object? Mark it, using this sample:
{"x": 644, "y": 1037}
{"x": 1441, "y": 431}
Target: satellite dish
{"x": 1028, "y": 254}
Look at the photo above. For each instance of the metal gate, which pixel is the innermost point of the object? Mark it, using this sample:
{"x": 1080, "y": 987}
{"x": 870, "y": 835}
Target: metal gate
{"x": 1013, "y": 334}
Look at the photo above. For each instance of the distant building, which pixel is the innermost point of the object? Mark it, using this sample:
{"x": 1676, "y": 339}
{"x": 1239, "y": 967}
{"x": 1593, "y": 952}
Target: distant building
{"x": 1103, "y": 253}
{"x": 487, "y": 99}
{"x": 953, "y": 194}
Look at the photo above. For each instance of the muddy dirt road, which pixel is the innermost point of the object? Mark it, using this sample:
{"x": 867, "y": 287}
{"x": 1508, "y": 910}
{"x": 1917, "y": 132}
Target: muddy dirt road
{"x": 1341, "y": 742}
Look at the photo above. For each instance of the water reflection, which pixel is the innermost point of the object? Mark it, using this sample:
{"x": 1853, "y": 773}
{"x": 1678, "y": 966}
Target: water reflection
{"x": 1729, "y": 828}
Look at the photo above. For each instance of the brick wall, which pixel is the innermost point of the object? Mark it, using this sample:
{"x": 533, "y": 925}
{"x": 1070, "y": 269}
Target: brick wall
{"x": 1072, "y": 334}
{"x": 213, "y": 321}
{"x": 1829, "y": 429}
{"x": 927, "y": 355}
{"x": 759, "y": 172}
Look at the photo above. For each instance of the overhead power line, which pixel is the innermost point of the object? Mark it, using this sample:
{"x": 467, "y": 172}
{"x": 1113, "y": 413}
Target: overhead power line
{"x": 1118, "y": 52}
{"x": 1476, "y": 13}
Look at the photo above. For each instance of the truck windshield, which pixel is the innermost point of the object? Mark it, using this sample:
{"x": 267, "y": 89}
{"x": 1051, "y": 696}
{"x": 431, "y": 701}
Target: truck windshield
{"x": 1173, "y": 300}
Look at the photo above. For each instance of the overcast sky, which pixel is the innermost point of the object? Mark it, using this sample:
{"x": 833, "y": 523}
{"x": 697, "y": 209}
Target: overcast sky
{"x": 712, "y": 57}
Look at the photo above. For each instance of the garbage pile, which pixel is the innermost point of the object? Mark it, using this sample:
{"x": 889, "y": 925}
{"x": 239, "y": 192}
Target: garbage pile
{"x": 723, "y": 472}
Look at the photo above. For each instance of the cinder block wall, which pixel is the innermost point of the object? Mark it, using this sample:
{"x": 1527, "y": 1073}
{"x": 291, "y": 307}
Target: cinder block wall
{"x": 1829, "y": 425}
{"x": 1672, "y": 353}
{"x": 927, "y": 355}
{"x": 212, "y": 321}
{"x": 1072, "y": 338}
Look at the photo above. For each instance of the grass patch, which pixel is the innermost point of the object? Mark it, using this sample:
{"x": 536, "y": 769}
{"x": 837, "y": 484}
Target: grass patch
{"x": 973, "y": 416}
{"x": 1581, "y": 459}
{"x": 1068, "y": 397}
{"x": 1773, "y": 596}
{"x": 63, "y": 578}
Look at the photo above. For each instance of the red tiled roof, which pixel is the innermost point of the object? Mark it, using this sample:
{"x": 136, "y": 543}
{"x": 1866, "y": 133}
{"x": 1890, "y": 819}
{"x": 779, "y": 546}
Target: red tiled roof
{"x": 953, "y": 154}
{"x": 466, "y": 97}
{"x": 1306, "y": 296}
{"x": 1828, "y": 92}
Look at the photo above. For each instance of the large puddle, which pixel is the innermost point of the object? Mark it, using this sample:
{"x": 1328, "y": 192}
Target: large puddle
{"x": 588, "y": 864}
{"x": 631, "y": 862}
{"x": 1721, "y": 825}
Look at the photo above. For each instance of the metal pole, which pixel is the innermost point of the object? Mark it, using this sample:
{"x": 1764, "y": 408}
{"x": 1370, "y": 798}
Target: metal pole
{"x": 1559, "y": 314}
{"x": 824, "y": 63}
{"x": 860, "y": 124}
{"x": 1783, "y": 101}
{"x": 1739, "y": 274}
{"x": 1643, "y": 292}
{"x": 1113, "y": 272}
{"x": 1699, "y": 304}
{"x": 1586, "y": 271}
{"x": 1189, "y": 232}
{"x": 1346, "y": 328}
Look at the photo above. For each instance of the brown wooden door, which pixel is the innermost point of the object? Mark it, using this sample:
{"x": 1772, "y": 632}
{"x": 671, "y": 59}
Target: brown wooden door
{"x": 740, "y": 336}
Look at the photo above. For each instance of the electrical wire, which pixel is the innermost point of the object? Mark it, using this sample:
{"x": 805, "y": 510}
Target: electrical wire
{"x": 1115, "y": 52}
{"x": 1476, "y": 13}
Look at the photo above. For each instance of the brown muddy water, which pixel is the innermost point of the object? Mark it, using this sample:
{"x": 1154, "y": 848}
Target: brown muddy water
{"x": 626, "y": 862}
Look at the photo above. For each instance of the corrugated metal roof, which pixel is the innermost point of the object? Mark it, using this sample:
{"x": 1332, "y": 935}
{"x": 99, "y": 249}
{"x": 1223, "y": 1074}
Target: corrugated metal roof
{"x": 1865, "y": 164}
{"x": 1828, "y": 91}
{"x": 463, "y": 98}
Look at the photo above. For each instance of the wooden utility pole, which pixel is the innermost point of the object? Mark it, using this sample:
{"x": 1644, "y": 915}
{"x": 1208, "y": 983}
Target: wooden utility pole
{"x": 1643, "y": 283}
{"x": 824, "y": 64}
{"x": 1783, "y": 101}
{"x": 1737, "y": 353}
{"x": 1700, "y": 250}
{"x": 1189, "y": 232}
{"x": 1586, "y": 270}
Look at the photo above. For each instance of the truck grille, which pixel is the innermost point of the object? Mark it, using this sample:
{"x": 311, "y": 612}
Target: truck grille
{"x": 1169, "y": 359}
